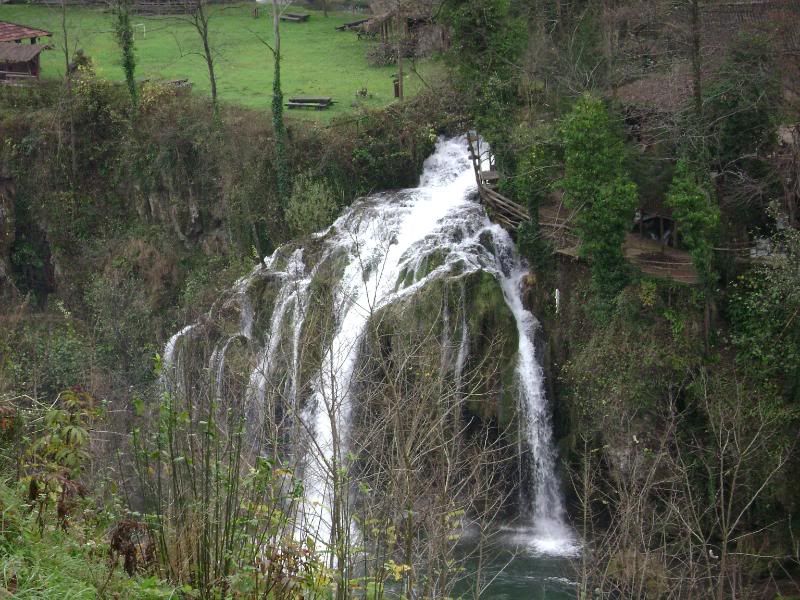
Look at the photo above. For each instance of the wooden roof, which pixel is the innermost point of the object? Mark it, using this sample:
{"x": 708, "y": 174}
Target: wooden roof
{"x": 11, "y": 32}
{"x": 11, "y": 52}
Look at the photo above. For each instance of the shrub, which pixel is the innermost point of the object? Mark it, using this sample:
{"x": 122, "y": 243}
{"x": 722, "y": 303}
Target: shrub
{"x": 312, "y": 206}
{"x": 765, "y": 314}
{"x": 536, "y": 171}
{"x": 743, "y": 106}
{"x": 382, "y": 54}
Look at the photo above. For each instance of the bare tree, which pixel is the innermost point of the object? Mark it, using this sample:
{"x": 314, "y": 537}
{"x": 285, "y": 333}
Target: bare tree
{"x": 68, "y": 69}
{"x": 429, "y": 475}
{"x": 200, "y": 16}
{"x": 677, "y": 522}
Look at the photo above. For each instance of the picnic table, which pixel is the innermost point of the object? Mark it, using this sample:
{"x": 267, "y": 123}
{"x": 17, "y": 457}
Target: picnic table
{"x": 316, "y": 102}
{"x": 294, "y": 17}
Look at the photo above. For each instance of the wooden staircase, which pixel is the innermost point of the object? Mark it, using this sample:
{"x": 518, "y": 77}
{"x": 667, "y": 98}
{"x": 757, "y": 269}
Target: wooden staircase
{"x": 504, "y": 211}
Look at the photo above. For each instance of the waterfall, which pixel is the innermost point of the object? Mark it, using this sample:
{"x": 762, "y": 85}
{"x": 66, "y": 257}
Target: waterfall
{"x": 294, "y": 287}
{"x": 381, "y": 251}
{"x": 550, "y": 533}
{"x": 381, "y": 244}
{"x": 168, "y": 357}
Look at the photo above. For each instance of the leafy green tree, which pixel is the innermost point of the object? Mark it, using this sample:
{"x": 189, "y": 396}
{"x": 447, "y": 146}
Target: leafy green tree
{"x": 597, "y": 186}
{"x": 698, "y": 218}
{"x": 488, "y": 39}
{"x": 765, "y": 315}
{"x": 536, "y": 171}
{"x": 123, "y": 31}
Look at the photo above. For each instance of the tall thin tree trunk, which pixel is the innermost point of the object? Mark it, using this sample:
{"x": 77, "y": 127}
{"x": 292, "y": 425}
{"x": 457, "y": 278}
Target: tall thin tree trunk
{"x": 68, "y": 87}
{"x": 211, "y": 76}
{"x": 697, "y": 75}
{"x": 282, "y": 171}
{"x": 125, "y": 39}
{"x": 400, "y": 38}
{"x": 201, "y": 23}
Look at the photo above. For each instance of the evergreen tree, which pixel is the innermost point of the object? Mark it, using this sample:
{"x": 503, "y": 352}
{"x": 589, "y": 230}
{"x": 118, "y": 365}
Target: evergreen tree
{"x": 123, "y": 31}
{"x": 697, "y": 216}
{"x": 597, "y": 186}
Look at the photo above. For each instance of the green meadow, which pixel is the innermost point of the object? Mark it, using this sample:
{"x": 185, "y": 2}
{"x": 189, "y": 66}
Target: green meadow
{"x": 317, "y": 59}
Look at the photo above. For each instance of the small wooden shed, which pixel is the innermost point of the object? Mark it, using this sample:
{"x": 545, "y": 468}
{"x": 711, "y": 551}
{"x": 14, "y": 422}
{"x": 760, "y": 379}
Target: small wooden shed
{"x": 19, "y": 61}
{"x": 415, "y": 19}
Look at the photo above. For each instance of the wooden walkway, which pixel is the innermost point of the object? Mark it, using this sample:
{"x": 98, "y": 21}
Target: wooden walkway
{"x": 650, "y": 256}
{"x": 506, "y": 212}
{"x": 556, "y": 224}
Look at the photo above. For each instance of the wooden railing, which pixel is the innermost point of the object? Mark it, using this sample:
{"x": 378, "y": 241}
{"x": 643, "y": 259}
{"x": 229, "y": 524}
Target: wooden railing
{"x": 506, "y": 212}
{"x": 14, "y": 78}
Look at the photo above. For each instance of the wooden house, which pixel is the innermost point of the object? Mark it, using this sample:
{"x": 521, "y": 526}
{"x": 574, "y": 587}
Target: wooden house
{"x": 19, "y": 62}
{"x": 411, "y": 20}
{"x": 19, "y": 52}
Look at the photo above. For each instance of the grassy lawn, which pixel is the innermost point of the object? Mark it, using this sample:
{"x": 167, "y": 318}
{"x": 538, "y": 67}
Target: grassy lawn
{"x": 317, "y": 59}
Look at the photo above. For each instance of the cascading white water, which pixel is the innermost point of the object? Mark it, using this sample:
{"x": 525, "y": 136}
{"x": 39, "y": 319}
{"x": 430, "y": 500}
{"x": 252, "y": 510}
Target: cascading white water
{"x": 384, "y": 244}
{"x": 380, "y": 240}
{"x": 550, "y": 533}
{"x": 168, "y": 356}
{"x": 295, "y": 284}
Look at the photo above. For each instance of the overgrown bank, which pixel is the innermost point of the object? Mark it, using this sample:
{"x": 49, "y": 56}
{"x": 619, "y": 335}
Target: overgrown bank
{"x": 676, "y": 406}
{"x": 132, "y": 225}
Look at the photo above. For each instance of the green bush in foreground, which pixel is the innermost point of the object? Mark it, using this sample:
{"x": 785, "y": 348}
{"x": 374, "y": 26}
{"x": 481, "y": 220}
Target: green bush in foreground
{"x": 60, "y": 564}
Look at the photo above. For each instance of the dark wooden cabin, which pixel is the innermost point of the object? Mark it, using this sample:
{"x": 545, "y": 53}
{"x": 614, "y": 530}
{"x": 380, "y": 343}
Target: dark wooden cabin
{"x": 20, "y": 61}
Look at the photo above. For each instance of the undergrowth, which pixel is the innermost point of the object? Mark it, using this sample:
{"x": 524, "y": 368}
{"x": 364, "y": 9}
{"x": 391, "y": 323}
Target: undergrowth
{"x": 59, "y": 564}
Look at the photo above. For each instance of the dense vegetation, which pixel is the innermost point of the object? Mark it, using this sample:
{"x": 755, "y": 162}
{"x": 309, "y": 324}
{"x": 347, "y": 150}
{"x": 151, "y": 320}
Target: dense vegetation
{"x": 677, "y": 409}
{"x": 127, "y": 210}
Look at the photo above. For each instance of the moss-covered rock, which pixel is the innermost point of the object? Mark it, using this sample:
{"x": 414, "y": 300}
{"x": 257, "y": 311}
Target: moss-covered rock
{"x": 321, "y": 318}
{"x": 494, "y": 343}
{"x": 437, "y": 312}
